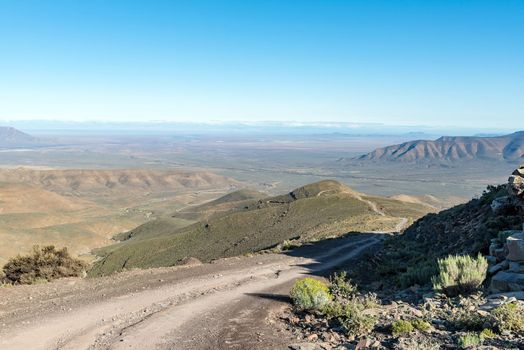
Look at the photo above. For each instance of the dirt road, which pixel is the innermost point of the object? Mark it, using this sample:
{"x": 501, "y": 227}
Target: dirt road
{"x": 223, "y": 305}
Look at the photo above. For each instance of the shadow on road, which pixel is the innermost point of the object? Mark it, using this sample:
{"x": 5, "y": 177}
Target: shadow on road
{"x": 335, "y": 254}
{"x": 330, "y": 255}
{"x": 275, "y": 297}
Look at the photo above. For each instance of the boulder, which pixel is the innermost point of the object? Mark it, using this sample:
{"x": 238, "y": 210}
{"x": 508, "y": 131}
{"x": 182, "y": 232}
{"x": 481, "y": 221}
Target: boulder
{"x": 506, "y": 281}
{"x": 516, "y": 183}
{"x": 491, "y": 259}
{"x": 501, "y": 253}
{"x": 515, "y": 246}
{"x": 498, "y": 267}
{"x": 507, "y": 295}
{"x": 516, "y": 266}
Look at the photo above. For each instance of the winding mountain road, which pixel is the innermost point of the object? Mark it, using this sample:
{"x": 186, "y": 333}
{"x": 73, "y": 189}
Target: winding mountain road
{"x": 223, "y": 305}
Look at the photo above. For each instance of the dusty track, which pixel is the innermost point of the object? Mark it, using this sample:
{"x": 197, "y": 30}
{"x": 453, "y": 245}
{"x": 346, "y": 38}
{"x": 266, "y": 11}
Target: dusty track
{"x": 223, "y": 305}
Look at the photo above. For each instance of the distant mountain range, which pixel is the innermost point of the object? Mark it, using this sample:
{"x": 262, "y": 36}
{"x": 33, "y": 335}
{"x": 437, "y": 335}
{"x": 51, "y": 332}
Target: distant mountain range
{"x": 10, "y": 136}
{"x": 507, "y": 147}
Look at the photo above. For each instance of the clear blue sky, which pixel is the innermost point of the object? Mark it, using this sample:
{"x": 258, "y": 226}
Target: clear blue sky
{"x": 395, "y": 62}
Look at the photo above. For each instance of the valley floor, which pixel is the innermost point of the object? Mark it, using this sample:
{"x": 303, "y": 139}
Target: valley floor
{"x": 227, "y": 304}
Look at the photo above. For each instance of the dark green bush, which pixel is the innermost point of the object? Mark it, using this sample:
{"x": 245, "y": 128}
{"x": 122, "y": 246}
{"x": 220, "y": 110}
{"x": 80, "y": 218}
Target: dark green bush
{"x": 45, "y": 264}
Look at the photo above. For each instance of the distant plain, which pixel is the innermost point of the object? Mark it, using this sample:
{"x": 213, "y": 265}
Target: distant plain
{"x": 86, "y": 217}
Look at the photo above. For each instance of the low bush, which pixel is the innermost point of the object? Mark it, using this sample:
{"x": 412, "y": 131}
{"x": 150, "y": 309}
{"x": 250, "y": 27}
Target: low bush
{"x": 420, "y": 274}
{"x": 401, "y": 327}
{"x": 508, "y": 317}
{"x": 421, "y": 325}
{"x": 353, "y": 318}
{"x": 42, "y": 265}
{"x": 341, "y": 286}
{"x": 310, "y": 294}
{"x": 487, "y": 334}
{"x": 466, "y": 320}
{"x": 353, "y": 313}
{"x": 469, "y": 340}
{"x": 460, "y": 274}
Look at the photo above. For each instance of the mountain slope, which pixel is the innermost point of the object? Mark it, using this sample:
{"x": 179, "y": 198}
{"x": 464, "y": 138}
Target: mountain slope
{"x": 411, "y": 258}
{"x": 315, "y": 211}
{"x": 10, "y": 136}
{"x": 84, "y": 209}
{"x": 108, "y": 181}
{"x": 507, "y": 147}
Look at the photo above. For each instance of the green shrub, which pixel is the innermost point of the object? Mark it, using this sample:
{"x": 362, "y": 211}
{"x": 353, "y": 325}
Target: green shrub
{"x": 401, "y": 327}
{"x": 421, "y": 325}
{"x": 42, "y": 265}
{"x": 420, "y": 274}
{"x": 509, "y": 317}
{"x": 469, "y": 340}
{"x": 487, "y": 334}
{"x": 467, "y": 320}
{"x": 358, "y": 323}
{"x": 352, "y": 314}
{"x": 341, "y": 287}
{"x": 460, "y": 274}
{"x": 310, "y": 294}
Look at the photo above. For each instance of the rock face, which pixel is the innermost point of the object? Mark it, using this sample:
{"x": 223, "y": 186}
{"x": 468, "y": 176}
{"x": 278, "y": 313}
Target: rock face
{"x": 508, "y": 254}
{"x": 516, "y": 183}
{"x": 515, "y": 244}
{"x": 506, "y": 281}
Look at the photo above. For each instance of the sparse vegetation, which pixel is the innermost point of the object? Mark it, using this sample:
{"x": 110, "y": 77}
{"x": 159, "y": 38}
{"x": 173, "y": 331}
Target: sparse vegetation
{"x": 421, "y": 325}
{"x": 509, "y": 317}
{"x": 44, "y": 264}
{"x": 464, "y": 319}
{"x": 487, "y": 334}
{"x": 419, "y": 274}
{"x": 460, "y": 274}
{"x": 256, "y": 225}
{"x": 469, "y": 340}
{"x": 351, "y": 314}
{"x": 443, "y": 249}
{"x": 341, "y": 286}
{"x": 310, "y": 294}
{"x": 411, "y": 258}
{"x": 401, "y": 327}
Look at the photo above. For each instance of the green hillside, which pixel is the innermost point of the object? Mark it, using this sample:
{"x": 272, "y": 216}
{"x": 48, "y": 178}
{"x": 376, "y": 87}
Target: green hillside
{"x": 315, "y": 211}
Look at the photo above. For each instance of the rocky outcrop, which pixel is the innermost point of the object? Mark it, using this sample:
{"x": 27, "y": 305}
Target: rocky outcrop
{"x": 508, "y": 263}
{"x": 515, "y": 245}
{"x": 507, "y": 251}
{"x": 516, "y": 183}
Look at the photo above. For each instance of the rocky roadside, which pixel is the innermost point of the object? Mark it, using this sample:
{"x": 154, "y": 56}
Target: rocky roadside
{"x": 418, "y": 318}
{"x": 447, "y": 320}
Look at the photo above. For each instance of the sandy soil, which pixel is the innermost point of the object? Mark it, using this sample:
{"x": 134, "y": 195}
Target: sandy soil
{"x": 223, "y": 305}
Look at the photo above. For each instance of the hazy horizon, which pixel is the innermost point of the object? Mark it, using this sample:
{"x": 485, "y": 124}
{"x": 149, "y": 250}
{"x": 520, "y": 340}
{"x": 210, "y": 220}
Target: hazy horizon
{"x": 410, "y": 63}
